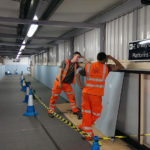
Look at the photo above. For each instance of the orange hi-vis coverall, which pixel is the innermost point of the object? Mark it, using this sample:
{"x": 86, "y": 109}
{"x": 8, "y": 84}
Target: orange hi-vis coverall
{"x": 92, "y": 93}
{"x": 66, "y": 88}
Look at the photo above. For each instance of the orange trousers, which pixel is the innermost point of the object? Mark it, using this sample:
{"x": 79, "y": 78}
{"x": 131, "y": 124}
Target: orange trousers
{"x": 91, "y": 111}
{"x": 68, "y": 91}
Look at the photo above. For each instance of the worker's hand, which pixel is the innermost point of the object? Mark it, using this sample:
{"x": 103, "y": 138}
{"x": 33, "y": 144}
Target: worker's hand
{"x": 109, "y": 57}
{"x": 59, "y": 85}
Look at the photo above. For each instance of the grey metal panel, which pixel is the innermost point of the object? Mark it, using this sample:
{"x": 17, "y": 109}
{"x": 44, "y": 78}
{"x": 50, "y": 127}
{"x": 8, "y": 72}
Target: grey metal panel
{"x": 107, "y": 122}
{"x": 129, "y": 105}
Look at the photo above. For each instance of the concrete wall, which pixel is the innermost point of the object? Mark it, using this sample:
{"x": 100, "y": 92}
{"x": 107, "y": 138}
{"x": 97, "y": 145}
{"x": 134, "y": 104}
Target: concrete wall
{"x": 2, "y": 71}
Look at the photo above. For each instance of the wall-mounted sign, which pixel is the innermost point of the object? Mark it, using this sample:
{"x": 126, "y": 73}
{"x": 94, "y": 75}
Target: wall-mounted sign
{"x": 139, "y": 50}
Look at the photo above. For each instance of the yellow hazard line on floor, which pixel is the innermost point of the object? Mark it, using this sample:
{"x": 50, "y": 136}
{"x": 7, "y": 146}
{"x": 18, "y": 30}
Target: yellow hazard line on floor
{"x": 70, "y": 124}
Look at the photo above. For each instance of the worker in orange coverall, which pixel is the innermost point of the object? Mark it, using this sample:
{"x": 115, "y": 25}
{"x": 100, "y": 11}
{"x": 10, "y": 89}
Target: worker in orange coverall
{"x": 93, "y": 90}
{"x": 65, "y": 77}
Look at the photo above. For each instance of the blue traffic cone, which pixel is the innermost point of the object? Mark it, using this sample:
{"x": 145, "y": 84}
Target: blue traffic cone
{"x": 30, "y": 107}
{"x": 21, "y": 81}
{"x": 95, "y": 145}
{"x": 23, "y": 86}
{"x": 27, "y": 94}
{"x": 21, "y": 72}
{"x": 21, "y": 76}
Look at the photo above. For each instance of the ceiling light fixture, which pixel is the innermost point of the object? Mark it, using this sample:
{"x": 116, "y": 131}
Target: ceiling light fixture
{"x": 22, "y": 47}
{"x": 32, "y": 28}
{"x": 24, "y": 42}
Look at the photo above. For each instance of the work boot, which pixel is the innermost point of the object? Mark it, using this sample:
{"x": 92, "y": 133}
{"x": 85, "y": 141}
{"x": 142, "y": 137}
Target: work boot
{"x": 89, "y": 138}
{"x": 80, "y": 126}
{"x": 78, "y": 113}
{"x": 50, "y": 114}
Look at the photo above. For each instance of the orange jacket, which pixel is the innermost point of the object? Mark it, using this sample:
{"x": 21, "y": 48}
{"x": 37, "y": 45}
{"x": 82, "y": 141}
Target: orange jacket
{"x": 96, "y": 74}
{"x": 64, "y": 72}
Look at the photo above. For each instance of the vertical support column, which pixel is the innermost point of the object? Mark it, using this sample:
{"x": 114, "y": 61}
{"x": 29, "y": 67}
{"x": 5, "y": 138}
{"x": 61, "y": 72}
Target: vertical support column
{"x": 141, "y": 110}
{"x": 47, "y": 56}
{"x": 57, "y": 54}
{"x": 84, "y": 44}
{"x": 48, "y": 59}
{"x": 71, "y": 46}
{"x": 64, "y": 50}
{"x": 102, "y": 37}
{"x": 135, "y": 24}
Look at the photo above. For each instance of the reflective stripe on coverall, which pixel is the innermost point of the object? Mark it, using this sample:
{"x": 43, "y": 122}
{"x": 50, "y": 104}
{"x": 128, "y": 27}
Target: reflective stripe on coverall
{"x": 92, "y": 93}
{"x": 68, "y": 91}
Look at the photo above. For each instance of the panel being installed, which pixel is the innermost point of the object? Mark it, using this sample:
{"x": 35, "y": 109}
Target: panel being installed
{"x": 107, "y": 123}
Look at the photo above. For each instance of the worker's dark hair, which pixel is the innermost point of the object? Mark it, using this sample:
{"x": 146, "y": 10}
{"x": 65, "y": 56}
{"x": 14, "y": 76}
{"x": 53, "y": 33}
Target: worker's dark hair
{"x": 101, "y": 56}
{"x": 76, "y": 53}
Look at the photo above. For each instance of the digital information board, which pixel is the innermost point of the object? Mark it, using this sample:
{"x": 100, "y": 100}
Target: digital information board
{"x": 139, "y": 51}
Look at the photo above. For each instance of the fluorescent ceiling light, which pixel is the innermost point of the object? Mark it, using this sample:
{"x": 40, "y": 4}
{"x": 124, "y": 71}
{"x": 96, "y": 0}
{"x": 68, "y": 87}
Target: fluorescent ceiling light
{"x": 35, "y": 17}
{"x": 144, "y": 42}
{"x": 32, "y": 28}
{"x": 19, "y": 53}
{"x": 24, "y": 42}
{"x": 22, "y": 47}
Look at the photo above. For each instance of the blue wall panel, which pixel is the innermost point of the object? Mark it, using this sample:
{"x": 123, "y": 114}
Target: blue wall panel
{"x": 47, "y": 75}
{"x": 18, "y": 68}
{"x": 2, "y": 71}
{"x": 110, "y": 101}
{"x": 128, "y": 116}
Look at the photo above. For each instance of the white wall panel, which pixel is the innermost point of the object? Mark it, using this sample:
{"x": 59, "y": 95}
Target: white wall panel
{"x": 116, "y": 39}
{"x": 52, "y": 56}
{"x": 106, "y": 39}
{"x": 130, "y": 27}
{"x": 119, "y": 33}
{"x": 79, "y": 44}
{"x": 32, "y": 59}
{"x": 36, "y": 59}
{"x": 40, "y": 58}
{"x": 88, "y": 44}
{"x": 50, "y": 53}
{"x": 125, "y": 37}
{"x": 92, "y": 45}
{"x": 67, "y": 50}
{"x": 148, "y": 22}
{"x": 112, "y": 38}
{"x": 45, "y": 58}
{"x": 120, "y": 38}
{"x": 61, "y": 52}
{"x": 23, "y": 61}
{"x": 144, "y": 23}
{"x": 141, "y": 23}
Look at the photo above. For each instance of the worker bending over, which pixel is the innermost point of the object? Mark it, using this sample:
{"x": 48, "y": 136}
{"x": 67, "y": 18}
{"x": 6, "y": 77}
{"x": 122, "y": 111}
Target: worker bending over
{"x": 93, "y": 90}
{"x": 63, "y": 81}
